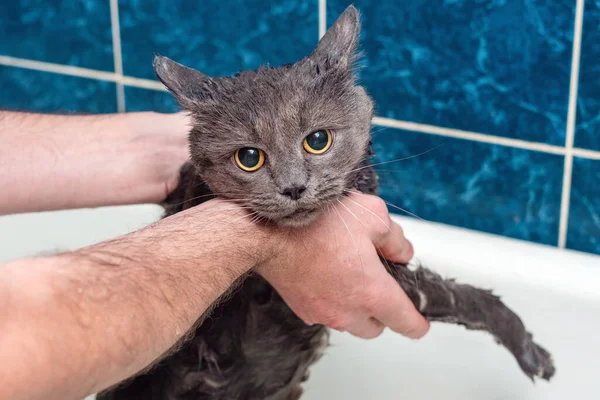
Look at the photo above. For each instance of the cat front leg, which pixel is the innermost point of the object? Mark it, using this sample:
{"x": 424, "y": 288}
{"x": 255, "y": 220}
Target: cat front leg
{"x": 445, "y": 300}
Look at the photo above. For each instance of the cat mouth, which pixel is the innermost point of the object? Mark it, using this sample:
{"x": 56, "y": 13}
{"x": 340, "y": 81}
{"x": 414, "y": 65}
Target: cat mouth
{"x": 297, "y": 218}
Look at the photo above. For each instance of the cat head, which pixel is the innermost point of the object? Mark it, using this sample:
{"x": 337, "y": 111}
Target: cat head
{"x": 287, "y": 141}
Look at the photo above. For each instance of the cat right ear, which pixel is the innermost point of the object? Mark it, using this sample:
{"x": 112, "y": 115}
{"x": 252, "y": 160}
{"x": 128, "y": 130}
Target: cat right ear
{"x": 337, "y": 48}
{"x": 187, "y": 85}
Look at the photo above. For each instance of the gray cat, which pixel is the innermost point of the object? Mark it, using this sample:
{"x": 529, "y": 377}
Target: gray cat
{"x": 286, "y": 141}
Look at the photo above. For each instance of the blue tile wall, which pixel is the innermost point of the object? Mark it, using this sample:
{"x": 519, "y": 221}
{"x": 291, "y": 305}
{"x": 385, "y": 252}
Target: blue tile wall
{"x": 584, "y": 215}
{"x": 138, "y": 99}
{"x": 496, "y": 67}
{"x": 215, "y": 36}
{"x": 491, "y": 66}
{"x": 502, "y": 190}
{"x": 24, "y": 89}
{"x": 59, "y": 31}
{"x": 588, "y": 104}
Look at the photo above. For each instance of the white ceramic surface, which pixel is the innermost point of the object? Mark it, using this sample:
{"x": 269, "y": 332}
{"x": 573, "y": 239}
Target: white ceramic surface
{"x": 557, "y": 293}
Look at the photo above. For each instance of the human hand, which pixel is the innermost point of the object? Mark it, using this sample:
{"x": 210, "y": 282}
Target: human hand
{"x": 159, "y": 144}
{"x": 330, "y": 272}
{"x": 55, "y": 162}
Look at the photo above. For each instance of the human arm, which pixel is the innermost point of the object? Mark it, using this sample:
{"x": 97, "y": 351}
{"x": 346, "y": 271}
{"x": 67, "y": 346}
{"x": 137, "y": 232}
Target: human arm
{"x": 80, "y": 322}
{"x": 52, "y": 162}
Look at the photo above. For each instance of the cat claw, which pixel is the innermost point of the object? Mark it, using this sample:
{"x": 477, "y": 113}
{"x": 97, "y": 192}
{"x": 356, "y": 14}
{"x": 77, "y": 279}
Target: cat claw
{"x": 535, "y": 361}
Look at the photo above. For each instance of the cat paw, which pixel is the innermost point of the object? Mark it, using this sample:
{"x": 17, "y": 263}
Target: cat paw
{"x": 535, "y": 361}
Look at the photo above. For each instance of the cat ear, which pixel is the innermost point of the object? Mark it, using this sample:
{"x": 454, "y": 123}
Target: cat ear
{"x": 187, "y": 85}
{"x": 337, "y": 48}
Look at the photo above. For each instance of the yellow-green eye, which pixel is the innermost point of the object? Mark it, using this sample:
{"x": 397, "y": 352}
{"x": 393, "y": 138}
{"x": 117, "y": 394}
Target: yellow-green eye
{"x": 318, "y": 142}
{"x": 249, "y": 159}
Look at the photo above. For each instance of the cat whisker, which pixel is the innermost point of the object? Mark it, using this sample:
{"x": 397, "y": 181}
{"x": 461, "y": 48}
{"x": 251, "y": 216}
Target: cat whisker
{"x": 365, "y": 208}
{"x": 399, "y": 159}
{"x": 198, "y": 197}
{"x": 191, "y": 199}
{"x": 362, "y": 267}
{"x": 396, "y": 207}
{"x": 224, "y": 209}
{"x": 379, "y": 129}
{"x": 219, "y": 210}
{"x": 389, "y": 170}
{"x": 385, "y": 262}
{"x": 391, "y": 205}
{"x": 242, "y": 217}
{"x": 405, "y": 211}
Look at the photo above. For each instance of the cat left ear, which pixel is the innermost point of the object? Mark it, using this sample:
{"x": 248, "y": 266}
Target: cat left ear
{"x": 337, "y": 48}
{"x": 187, "y": 85}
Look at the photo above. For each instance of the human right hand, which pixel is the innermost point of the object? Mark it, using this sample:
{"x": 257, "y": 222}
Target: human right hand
{"x": 330, "y": 272}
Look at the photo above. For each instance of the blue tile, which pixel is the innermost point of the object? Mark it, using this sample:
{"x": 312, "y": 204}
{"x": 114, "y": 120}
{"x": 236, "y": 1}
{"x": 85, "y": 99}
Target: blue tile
{"x": 218, "y": 37}
{"x": 492, "y": 66}
{"x": 59, "y": 31}
{"x": 584, "y": 213}
{"x": 588, "y": 105}
{"x": 28, "y": 90}
{"x": 496, "y": 189}
{"x": 138, "y": 99}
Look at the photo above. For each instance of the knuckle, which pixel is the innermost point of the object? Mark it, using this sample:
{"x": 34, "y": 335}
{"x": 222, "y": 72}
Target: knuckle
{"x": 413, "y": 330}
{"x": 371, "y": 301}
{"x": 380, "y": 230}
{"x": 379, "y": 207}
{"x": 336, "y": 322}
{"x": 398, "y": 228}
{"x": 373, "y": 335}
{"x": 410, "y": 250}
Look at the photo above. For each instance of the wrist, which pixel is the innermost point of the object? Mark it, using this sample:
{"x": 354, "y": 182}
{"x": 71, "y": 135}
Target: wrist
{"x": 248, "y": 245}
{"x": 154, "y": 147}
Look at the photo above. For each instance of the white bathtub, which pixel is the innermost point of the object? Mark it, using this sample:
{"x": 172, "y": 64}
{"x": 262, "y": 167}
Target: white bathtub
{"x": 557, "y": 293}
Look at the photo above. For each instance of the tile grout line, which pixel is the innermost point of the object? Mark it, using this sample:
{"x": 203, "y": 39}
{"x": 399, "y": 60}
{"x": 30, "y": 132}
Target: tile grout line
{"x": 585, "y": 153}
{"x": 570, "y": 134}
{"x": 466, "y": 135}
{"x": 117, "y": 54}
{"x": 58, "y": 68}
{"x": 322, "y": 17}
{"x": 380, "y": 121}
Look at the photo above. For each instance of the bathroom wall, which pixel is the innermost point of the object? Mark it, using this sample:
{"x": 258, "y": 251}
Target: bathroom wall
{"x": 500, "y": 99}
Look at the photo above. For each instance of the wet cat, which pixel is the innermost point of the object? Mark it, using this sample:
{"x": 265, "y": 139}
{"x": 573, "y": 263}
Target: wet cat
{"x": 286, "y": 141}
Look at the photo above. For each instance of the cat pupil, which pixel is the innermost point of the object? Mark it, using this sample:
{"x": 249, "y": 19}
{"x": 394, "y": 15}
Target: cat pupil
{"x": 249, "y": 157}
{"x": 318, "y": 140}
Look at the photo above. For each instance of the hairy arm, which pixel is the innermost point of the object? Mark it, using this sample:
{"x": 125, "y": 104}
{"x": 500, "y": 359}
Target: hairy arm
{"x": 79, "y": 322}
{"x": 52, "y": 162}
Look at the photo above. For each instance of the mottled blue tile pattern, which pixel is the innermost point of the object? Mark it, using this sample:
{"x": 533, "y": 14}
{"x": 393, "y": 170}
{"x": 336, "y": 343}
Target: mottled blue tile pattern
{"x": 584, "y": 216}
{"x": 492, "y": 66}
{"x": 495, "y": 189}
{"x": 138, "y": 99}
{"x": 218, "y": 37}
{"x": 587, "y": 134}
{"x": 24, "y": 89}
{"x": 74, "y": 32}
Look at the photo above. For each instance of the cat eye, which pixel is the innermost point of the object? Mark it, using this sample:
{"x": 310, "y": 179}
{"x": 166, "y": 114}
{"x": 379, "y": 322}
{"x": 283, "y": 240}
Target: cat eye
{"x": 249, "y": 159}
{"x": 318, "y": 142}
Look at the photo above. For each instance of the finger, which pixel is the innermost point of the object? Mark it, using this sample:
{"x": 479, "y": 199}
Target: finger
{"x": 368, "y": 328}
{"x": 387, "y": 235}
{"x": 399, "y": 313}
{"x": 394, "y": 246}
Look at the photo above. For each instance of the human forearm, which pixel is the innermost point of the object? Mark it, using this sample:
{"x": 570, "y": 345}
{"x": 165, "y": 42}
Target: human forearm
{"x": 100, "y": 314}
{"x": 50, "y": 162}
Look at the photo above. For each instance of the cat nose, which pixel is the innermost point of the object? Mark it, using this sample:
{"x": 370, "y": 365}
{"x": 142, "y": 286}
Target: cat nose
{"x": 294, "y": 192}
